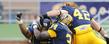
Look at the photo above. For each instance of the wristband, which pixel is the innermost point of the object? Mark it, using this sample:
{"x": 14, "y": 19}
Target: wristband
{"x": 100, "y": 29}
{"x": 20, "y": 22}
{"x": 60, "y": 12}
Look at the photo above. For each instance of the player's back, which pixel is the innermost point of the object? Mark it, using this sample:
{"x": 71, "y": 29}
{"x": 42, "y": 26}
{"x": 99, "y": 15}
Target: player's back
{"x": 80, "y": 17}
{"x": 82, "y": 26}
{"x": 64, "y": 35}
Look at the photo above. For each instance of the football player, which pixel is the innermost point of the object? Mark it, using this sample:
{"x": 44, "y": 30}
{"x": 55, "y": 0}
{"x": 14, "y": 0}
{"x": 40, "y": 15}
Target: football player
{"x": 58, "y": 32}
{"x": 82, "y": 25}
{"x": 28, "y": 31}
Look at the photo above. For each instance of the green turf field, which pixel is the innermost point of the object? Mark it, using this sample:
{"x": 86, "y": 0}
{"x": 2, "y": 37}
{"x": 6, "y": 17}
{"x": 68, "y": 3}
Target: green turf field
{"x": 10, "y": 32}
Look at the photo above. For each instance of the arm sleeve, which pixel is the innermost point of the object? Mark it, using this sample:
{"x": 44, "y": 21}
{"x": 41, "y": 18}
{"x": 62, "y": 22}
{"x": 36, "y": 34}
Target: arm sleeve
{"x": 91, "y": 17}
{"x": 52, "y": 33}
{"x": 69, "y": 9}
{"x": 30, "y": 28}
{"x": 52, "y": 30}
{"x": 44, "y": 35}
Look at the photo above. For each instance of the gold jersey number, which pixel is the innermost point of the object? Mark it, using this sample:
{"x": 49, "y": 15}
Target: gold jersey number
{"x": 81, "y": 15}
{"x": 69, "y": 40}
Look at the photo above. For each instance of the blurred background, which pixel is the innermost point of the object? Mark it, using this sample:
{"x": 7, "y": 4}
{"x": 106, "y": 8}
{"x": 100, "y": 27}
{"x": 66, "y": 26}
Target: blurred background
{"x": 10, "y": 32}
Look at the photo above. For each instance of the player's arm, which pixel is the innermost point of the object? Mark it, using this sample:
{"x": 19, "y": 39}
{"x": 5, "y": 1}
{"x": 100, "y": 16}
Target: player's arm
{"x": 55, "y": 13}
{"x": 45, "y": 34}
{"x": 56, "y": 10}
{"x": 97, "y": 27}
{"x": 65, "y": 10}
{"x": 23, "y": 27}
{"x": 50, "y": 33}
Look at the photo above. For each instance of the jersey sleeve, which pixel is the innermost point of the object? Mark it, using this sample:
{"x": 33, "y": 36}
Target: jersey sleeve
{"x": 69, "y": 9}
{"x": 31, "y": 27}
{"x": 52, "y": 33}
{"x": 54, "y": 27}
{"x": 91, "y": 17}
{"x": 52, "y": 30}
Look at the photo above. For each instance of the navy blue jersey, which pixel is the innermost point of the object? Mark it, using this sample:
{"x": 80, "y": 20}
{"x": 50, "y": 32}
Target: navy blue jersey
{"x": 80, "y": 17}
{"x": 64, "y": 35}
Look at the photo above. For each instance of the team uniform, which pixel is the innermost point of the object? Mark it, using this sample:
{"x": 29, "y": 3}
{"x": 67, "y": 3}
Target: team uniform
{"x": 33, "y": 38}
{"x": 60, "y": 34}
{"x": 84, "y": 33}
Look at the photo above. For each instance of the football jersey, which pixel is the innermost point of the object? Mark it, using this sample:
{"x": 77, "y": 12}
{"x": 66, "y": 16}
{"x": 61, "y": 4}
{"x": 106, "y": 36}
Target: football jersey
{"x": 80, "y": 17}
{"x": 64, "y": 35}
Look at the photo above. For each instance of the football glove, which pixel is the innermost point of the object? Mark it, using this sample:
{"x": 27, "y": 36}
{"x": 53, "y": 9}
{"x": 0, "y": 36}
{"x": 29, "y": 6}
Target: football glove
{"x": 18, "y": 16}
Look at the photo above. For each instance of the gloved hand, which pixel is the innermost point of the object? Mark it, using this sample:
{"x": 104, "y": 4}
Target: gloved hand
{"x": 18, "y": 16}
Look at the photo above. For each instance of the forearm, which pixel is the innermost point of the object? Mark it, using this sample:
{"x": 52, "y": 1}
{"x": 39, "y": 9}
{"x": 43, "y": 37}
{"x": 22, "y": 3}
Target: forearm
{"x": 53, "y": 13}
{"x": 41, "y": 35}
{"x": 97, "y": 27}
{"x": 22, "y": 26}
{"x": 44, "y": 35}
{"x": 24, "y": 30}
{"x": 56, "y": 12}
